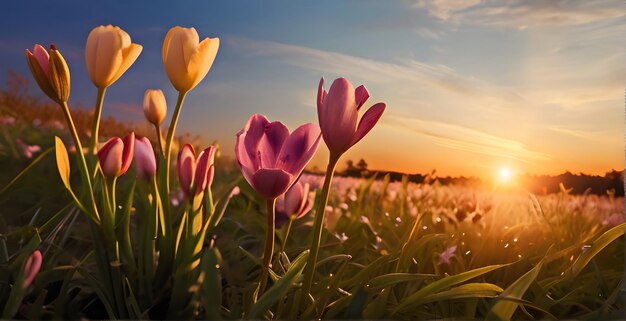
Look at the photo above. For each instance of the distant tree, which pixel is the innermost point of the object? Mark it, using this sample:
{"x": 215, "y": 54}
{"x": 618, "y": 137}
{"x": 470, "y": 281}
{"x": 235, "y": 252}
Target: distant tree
{"x": 362, "y": 165}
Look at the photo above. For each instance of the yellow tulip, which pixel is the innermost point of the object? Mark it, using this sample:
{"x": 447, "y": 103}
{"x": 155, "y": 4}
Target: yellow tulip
{"x": 186, "y": 59}
{"x": 108, "y": 54}
{"x": 154, "y": 106}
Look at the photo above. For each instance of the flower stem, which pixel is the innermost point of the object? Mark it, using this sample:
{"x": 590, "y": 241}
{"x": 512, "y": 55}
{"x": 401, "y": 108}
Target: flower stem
{"x": 170, "y": 137}
{"x": 160, "y": 139}
{"x": 82, "y": 163}
{"x": 291, "y": 219}
{"x": 95, "y": 126}
{"x": 269, "y": 246}
{"x": 320, "y": 213}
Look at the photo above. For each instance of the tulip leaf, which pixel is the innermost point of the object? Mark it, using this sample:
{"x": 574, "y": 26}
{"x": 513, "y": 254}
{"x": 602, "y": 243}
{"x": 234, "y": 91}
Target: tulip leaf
{"x": 386, "y": 280}
{"x": 469, "y": 290}
{"x": 63, "y": 162}
{"x": 504, "y": 309}
{"x": 598, "y": 245}
{"x": 442, "y": 284}
{"x": 280, "y": 288}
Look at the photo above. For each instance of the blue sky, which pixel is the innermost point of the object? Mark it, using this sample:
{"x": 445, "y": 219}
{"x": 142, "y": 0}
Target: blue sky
{"x": 471, "y": 86}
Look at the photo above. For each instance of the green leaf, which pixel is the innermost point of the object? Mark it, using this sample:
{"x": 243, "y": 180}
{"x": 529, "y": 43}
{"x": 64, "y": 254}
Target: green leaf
{"x": 443, "y": 284}
{"x": 386, "y": 280}
{"x": 470, "y": 290}
{"x": 280, "y": 288}
{"x": 504, "y": 309}
{"x": 212, "y": 284}
{"x": 25, "y": 170}
{"x": 598, "y": 245}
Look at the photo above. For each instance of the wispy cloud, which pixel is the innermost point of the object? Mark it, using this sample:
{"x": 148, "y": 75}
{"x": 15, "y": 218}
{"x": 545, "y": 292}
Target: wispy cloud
{"x": 522, "y": 14}
{"x": 469, "y": 140}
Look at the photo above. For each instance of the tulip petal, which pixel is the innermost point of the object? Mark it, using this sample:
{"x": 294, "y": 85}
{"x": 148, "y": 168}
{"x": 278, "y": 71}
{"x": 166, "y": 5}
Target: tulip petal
{"x": 127, "y": 154}
{"x": 338, "y": 116}
{"x": 186, "y": 167}
{"x": 369, "y": 119}
{"x": 129, "y": 55}
{"x": 271, "y": 182}
{"x": 201, "y": 61}
{"x": 294, "y": 199}
{"x": 203, "y": 166}
{"x": 32, "y": 267}
{"x": 42, "y": 58}
{"x": 361, "y": 95}
{"x": 144, "y": 158}
{"x": 110, "y": 157}
{"x": 321, "y": 94}
{"x": 299, "y": 148}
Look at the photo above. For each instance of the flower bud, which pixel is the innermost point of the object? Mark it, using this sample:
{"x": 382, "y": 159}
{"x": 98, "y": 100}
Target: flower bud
{"x": 195, "y": 174}
{"x": 50, "y": 71}
{"x": 145, "y": 161}
{"x": 108, "y": 54}
{"x": 32, "y": 267}
{"x": 154, "y": 106}
{"x": 116, "y": 155}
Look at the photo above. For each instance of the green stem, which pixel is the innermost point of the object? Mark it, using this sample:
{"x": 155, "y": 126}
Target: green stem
{"x": 160, "y": 139}
{"x": 269, "y": 246}
{"x": 82, "y": 163}
{"x": 320, "y": 213}
{"x": 291, "y": 219}
{"x": 170, "y": 137}
{"x": 95, "y": 126}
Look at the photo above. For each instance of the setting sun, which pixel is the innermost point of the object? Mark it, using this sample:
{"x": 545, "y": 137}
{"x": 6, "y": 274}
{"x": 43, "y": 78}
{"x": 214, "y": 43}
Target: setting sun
{"x": 505, "y": 175}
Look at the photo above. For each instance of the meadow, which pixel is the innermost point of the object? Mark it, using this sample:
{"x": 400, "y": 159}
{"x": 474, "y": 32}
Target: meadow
{"x": 123, "y": 230}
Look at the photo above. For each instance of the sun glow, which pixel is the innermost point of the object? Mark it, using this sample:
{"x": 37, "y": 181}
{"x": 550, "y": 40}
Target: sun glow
{"x": 505, "y": 175}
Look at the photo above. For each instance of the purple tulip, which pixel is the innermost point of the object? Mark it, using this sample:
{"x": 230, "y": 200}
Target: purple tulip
{"x": 116, "y": 155}
{"x": 294, "y": 203}
{"x": 337, "y": 112}
{"x": 270, "y": 158}
{"x": 195, "y": 174}
{"x": 145, "y": 161}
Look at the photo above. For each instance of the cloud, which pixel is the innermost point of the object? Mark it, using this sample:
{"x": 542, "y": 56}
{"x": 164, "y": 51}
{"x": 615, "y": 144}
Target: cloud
{"x": 469, "y": 140}
{"x": 406, "y": 74}
{"x": 523, "y": 14}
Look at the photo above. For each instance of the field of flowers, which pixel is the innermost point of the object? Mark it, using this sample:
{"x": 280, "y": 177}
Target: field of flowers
{"x": 123, "y": 230}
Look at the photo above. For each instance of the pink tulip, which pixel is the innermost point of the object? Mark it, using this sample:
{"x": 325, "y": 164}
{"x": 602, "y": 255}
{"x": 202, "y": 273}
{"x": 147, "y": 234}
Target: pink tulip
{"x": 32, "y": 267}
{"x": 270, "y": 158}
{"x": 195, "y": 174}
{"x": 116, "y": 155}
{"x": 145, "y": 161}
{"x": 337, "y": 112}
{"x": 294, "y": 203}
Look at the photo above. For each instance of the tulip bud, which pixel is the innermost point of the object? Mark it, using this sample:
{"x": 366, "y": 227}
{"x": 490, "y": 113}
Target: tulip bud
{"x": 51, "y": 72}
{"x": 108, "y": 54}
{"x": 154, "y": 106}
{"x": 145, "y": 161}
{"x": 186, "y": 60}
{"x": 116, "y": 155}
{"x": 195, "y": 174}
{"x": 296, "y": 202}
{"x": 32, "y": 267}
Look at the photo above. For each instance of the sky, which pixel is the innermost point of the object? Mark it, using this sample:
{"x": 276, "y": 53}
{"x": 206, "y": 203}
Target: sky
{"x": 471, "y": 86}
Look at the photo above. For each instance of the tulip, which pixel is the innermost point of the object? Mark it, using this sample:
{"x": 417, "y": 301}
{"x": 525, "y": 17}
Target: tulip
{"x": 154, "y": 106}
{"x": 145, "y": 161}
{"x": 116, "y": 155}
{"x": 32, "y": 267}
{"x": 108, "y": 54}
{"x": 270, "y": 158}
{"x": 186, "y": 59}
{"x": 50, "y": 71}
{"x": 294, "y": 204}
{"x": 337, "y": 111}
{"x": 195, "y": 173}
